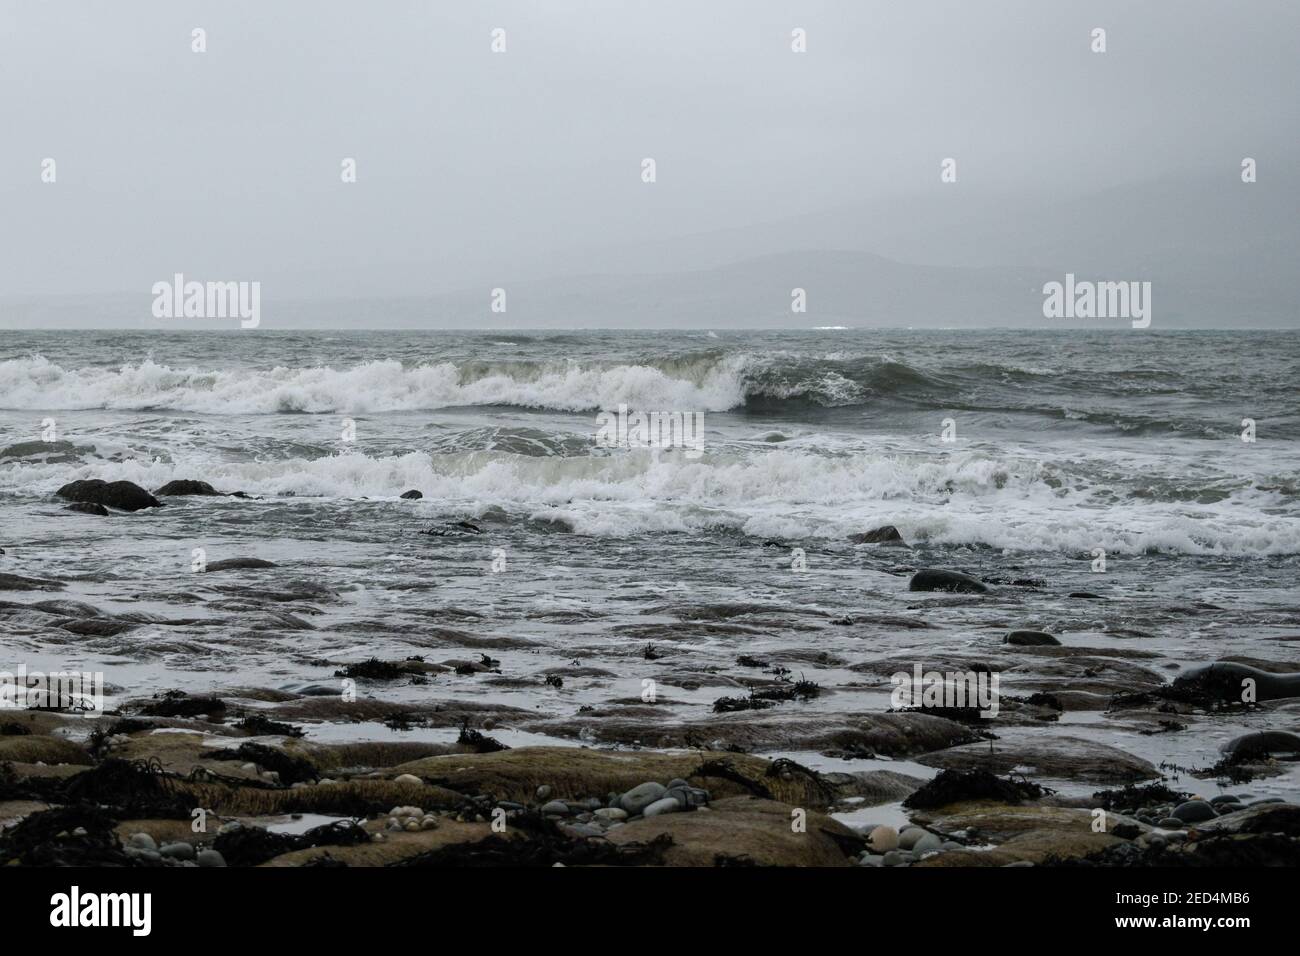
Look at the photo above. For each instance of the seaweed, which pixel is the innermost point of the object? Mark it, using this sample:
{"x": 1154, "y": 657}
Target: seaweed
{"x": 729, "y": 705}
{"x": 955, "y": 786}
{"x": 537, "y": 842}
{"x": 81, "y": 834}
{"x": 138, "y": 789}
{"x": 291, "y": 769}
{"x": 372, "y": 669}
{"x": 177, "y": 703}
{"x": 481, "y": 743}
{"x": 723, "y": 770}
{"x": 250, "y": 846}
{"x": 258, "y": 725}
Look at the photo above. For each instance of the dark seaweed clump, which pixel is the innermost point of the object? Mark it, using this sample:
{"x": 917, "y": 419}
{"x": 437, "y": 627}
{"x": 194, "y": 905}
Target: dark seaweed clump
{"x": 177, "y": 703}
{"x": 1131, "y": 799}
{"x": 259, "y": 725}
{"x": 480, "y": 743}
{"x": 954, "y": 786}
{"x": 250, "y": 846}
{"x": 290, "y": 768}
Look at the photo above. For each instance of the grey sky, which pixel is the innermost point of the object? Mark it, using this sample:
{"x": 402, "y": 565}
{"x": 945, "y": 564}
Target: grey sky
{"x": 479, "y": 169}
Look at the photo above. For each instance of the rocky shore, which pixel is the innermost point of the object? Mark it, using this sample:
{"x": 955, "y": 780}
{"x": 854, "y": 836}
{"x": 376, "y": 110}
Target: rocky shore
{"x": 768, "y": 736}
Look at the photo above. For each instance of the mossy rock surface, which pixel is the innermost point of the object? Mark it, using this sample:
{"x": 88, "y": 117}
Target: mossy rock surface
{"x": 743, "y": 831}
{"x": 575, "y": 773}
{"x": 39, "y": 748}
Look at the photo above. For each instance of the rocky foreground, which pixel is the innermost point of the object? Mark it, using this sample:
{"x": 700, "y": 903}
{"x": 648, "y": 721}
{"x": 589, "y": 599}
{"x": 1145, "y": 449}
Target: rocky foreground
{"x": 255, "y": 776}
{"x": 149, "y": 790}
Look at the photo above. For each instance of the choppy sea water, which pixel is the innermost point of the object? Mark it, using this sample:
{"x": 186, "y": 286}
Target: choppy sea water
{"x": 1064, "y": 444}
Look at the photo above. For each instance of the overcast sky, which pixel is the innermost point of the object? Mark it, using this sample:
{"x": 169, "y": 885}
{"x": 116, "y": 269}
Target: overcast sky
{"x": 475, "y": 166}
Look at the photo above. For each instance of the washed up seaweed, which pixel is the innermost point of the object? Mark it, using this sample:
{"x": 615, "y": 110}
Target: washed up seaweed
{"x": 259, "y": 725}
{"x": 251, "y": 846}
{"x": 78, "y": 835}
{"x": 1132, "y": 798}
{"x": 956, "y": 786}
{"x": 177, "y": 703}
{"x": 290, "y": 769}
{"x": 479, "y": 742}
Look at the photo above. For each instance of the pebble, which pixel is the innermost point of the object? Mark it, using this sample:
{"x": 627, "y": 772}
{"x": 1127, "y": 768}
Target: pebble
{"x": 211, "y": 858}
{"x": 640, "y": 797}
{"x": 892, "y": 858}
{"x": 871, "y": 859}
{"x": 664, "y": 805}
{"x": 883, "y": 839}
{"x": 556, "y": 808}
{"x": 543, "y": 792}
{"x": 1194, "y": 811}
{"x": 178, "y": 851}
{"x": 612, "y": 814}
{"x": 1171, "y": 823}
{"x": 927, "y": 843}
{"x": 1224, "y": 798}
{"x": 908, "y": 837}
{"x": 143, "y": 841}
{"x": 408, "y": 778}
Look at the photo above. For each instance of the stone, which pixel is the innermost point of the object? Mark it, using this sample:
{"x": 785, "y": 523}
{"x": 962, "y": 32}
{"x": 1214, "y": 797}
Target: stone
{"x": 412, "y": 495}
{"x": 640, "y": 797}
{"x": 408, "y": 778}
{"x": 556, "y": 808}
{"x": 664, "y": 805}
{"x": 927, "y": 843}
{"x": 937, "y": 579}
{"x": 892, "y": 858}
{"x": 185, "y": 487}
{"x": 210, "y": 858}
{"x": 882, "y": 839}
{"x": 611, "y": 814}
{"x": 887, "y": 534}
{"x": 908, "y": 837}
{"x": 1031, "y": 639}
{"x": 143, "y": 841}
{"x": 178, "y": 851}
{"x": 1194, "y": 811}
{"x": 123, "y": 495}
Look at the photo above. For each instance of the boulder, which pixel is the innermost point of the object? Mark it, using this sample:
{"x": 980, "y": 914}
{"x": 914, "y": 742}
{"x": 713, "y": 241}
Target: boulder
{"x": 412, "y": 495}
{"x": 88, "y": 508}
{"x": 1062, "y": 758}
{"x": 1030, "y": 639}
{"x": 123, "y": 495}
{"x": 187, "y": 487}
{"x": 237, "y": 564}
{"x": 885, "y": 535}
{"x": 937, "y": 579}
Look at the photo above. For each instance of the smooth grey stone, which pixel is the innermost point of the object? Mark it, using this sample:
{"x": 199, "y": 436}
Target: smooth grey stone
{"x": 143, "y": 841}
{"x": 664, "y": 805}
{"x": 1224, "y": 798}
{"x": 1171, "y": 823}
{"x": 1194, "y": 811}
{"x": 640, "y": 797}
{"x": 928, "y": 842}
{"x": 178, "y": 851}
{"x": 908, "y": 837}
{"x": 556, "y": 808}
{"x": 892, "y": 858}
{"x": 211, "y": 858}
{"x": 871, "y": 859}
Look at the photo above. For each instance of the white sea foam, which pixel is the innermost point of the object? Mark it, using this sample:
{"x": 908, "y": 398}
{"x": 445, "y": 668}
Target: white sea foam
{"x": 967, "y": 497}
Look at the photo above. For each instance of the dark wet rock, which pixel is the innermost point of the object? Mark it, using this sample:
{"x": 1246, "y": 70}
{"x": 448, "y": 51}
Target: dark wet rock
{"x": 1030, "y": 639}
{"x": 1194, "y": 811}
{"x": 88, "y": 508}
{"x": 52, "y": 452}
{"x": 122, "y": 495}
{"x": 1062, "y": 758}
{"x": 65, "y": 608}
{"x": 187, "y": 487}
{"x": 239, "y": 564}
{"x": 1086, "y": 596}
{"x": 96, "y": 626}
{"x": 885, "y": 535}
{"x": 17, "y": 582}
{"x": 457, "y": 530}
{"x": 936, "y": 579}
{"x": 1227, "y": 681}
{"x": 1264, "y": 743}
{"x": 412, "y": 495}
{"x": 1281, "y": 818}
